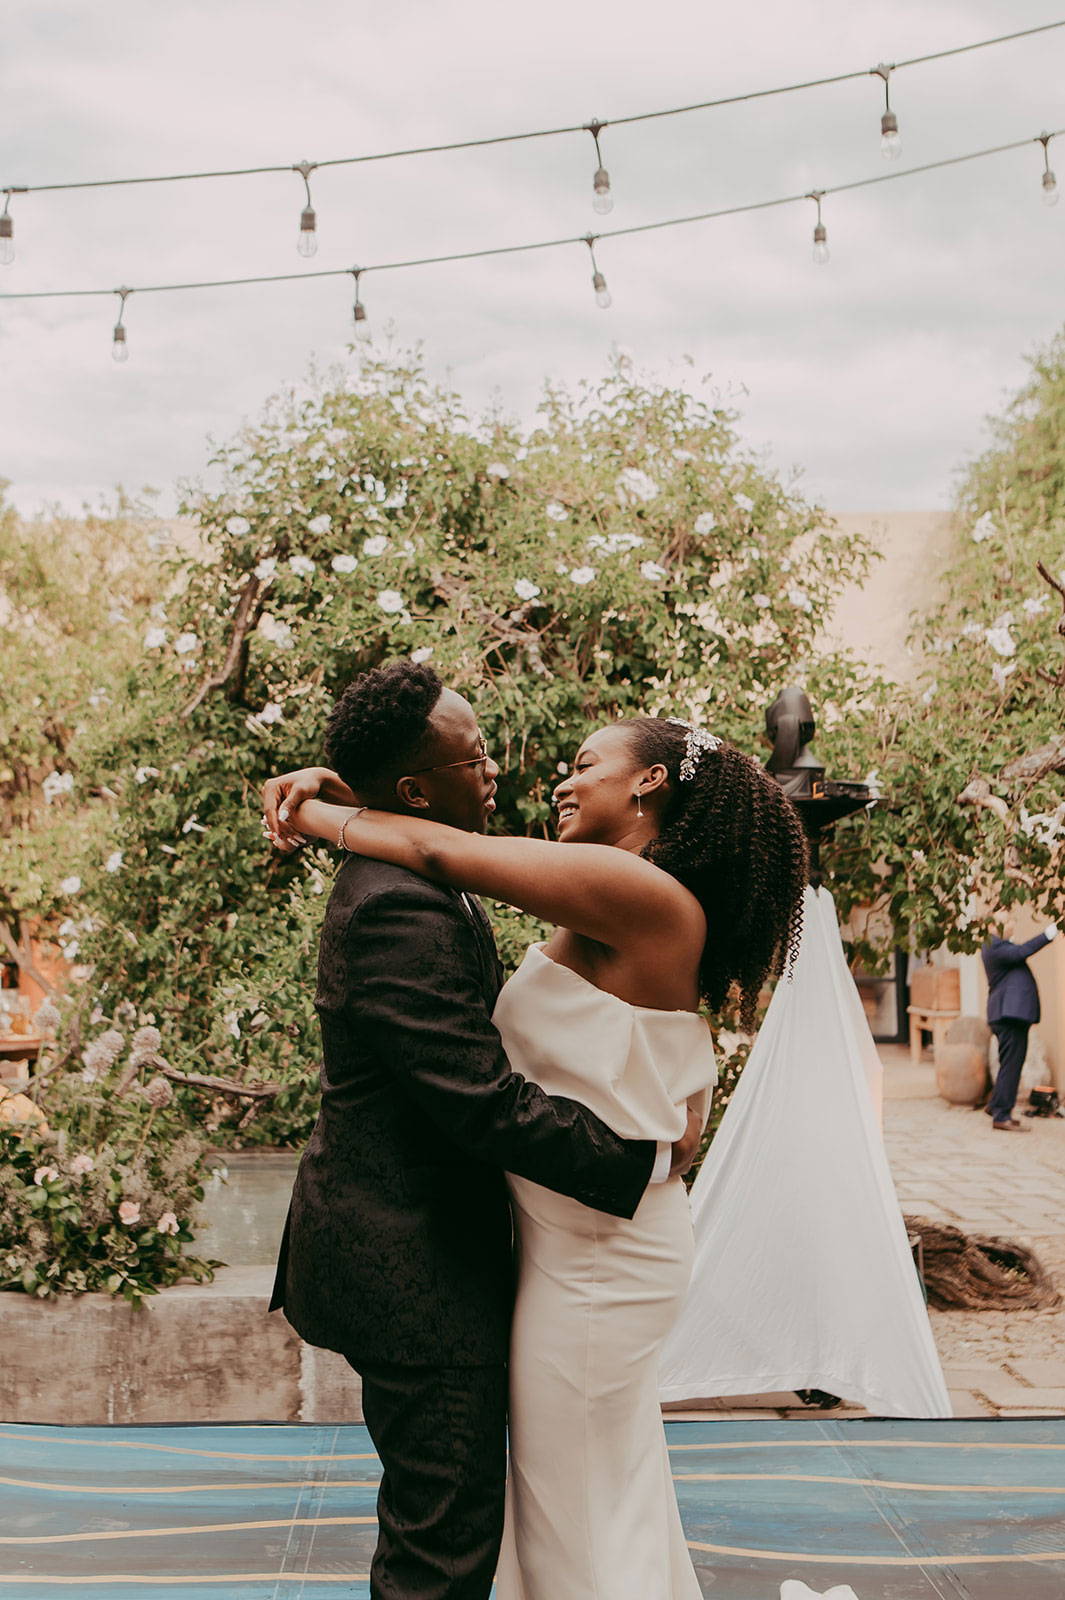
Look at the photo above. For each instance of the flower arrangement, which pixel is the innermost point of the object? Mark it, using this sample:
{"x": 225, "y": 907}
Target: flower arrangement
{"x": 98, "y": 1180}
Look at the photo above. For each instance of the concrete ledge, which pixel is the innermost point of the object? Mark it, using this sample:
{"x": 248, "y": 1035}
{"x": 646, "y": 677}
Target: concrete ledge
{"x": 194, "y": 1353}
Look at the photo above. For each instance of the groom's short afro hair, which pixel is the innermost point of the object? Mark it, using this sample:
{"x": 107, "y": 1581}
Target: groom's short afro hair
{"x": 380, "y": 725}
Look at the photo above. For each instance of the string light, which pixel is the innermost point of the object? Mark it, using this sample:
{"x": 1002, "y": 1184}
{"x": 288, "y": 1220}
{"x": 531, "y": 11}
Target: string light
{"x": 820, "y": 252}
{"x": 890, "y": 142}
{"x": 7, "y": 233}
{"x": 598, "y": 280}
{"x": 603, "y": 200}
{"x": 307, "y": 242}
{"x": 119, "y": 347}
{"x": 539, "y": 133}
{"x": 1050, "y": 183}
{"x": 602, "y": 294}
{"x": 363, "y": 331}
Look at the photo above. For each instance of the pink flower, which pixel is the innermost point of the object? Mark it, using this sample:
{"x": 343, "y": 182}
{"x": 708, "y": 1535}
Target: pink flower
{"x": 129, "y": 1212}
{"x": 45, "y": 1175}
{"x": 168, "y": 1223}
{"x": 81, "y": 1165}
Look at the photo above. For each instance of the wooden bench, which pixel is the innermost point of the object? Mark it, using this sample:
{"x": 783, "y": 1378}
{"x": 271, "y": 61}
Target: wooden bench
{"x": 925, "y": 1020}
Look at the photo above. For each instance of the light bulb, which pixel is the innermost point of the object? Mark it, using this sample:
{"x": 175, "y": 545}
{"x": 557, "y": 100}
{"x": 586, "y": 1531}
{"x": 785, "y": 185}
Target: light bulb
{"x": 363, "y": 331}
{"x": 820, "y": 244}
{"x": 890, "y": 139}
{"x": 1050, "y": 189}
{"x": 603, "y": 201}
{"x": 7, "y": 240}
{"x": 602, "y": 293}
{"x": 119, "y": 347}
{"x": 307, "y": 244}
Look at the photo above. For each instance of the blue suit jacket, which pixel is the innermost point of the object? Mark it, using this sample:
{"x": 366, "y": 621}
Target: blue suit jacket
{"x": 1012, "y": 990}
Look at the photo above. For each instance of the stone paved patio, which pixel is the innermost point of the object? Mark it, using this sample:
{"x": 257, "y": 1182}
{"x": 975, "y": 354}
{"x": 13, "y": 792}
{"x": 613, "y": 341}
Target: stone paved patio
{"x": 950, "y": 1166}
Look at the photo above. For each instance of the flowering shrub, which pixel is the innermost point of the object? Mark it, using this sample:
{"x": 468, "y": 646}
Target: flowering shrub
{"x": 99, "y": 1182}
{"x": 624, "y": 555}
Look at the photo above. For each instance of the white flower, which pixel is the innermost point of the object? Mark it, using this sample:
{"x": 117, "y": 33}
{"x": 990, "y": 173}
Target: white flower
{"x": 343, "y": 563}
{"x": 232, "y": 1024}
{"x": 872, "y": 783}
{"x": 983, "y": 529}
{"x": 424, "y": 654}
{"x": 186, "y": 643}
{"x": 582, "y": 574}
{"x": 82, "y": 1164}
{"x": 634, "y": 485}
{"x": 266, "y": 569}
{"x": 1001, "y": 641}
{"x": 321, "y": 523}
{"x": 556, "y": 512}
{"x": 525, "y": 590}
{"x": 190, "y": 825}
{"x": 704, "y": 522}
{"x": 744, "y": 502}
{"x": 302, "y": 566}
{"x": 168, "y": 1223}
{"x": 1033, "y": 608}
{"x": 142, "y": 774}
{"x": 391, "y": 602}
{"x": 918, "y": 856}
{"x": 497, "y": 469}
{"x": 237, "y": 526}
{"x": 799, "y": 598}
{"x": 652, "y": 571}
{"x": 563, "y": 769}
{"x": 1000, "y": 673}
{"x": 683, "y": 455}
{"x": 762, "y": 601}
{"x": 113, "y": 862}
{"x": 154, "y": 638}
{"x": 930, "y": 694}
{"x": 129, "y": 1212}
{"x": 972, "y": 630}
{"x": 55, "y": 784}
{"x": 45, "y": 1175}
{"x": 786, "y": 564}
{"x": 145, "y": 1041}
{"x": 271, "y": 712}
{"x": 375, "y": 545}
{"x": 70, "y": 885}
{"x": 274, "y": 631}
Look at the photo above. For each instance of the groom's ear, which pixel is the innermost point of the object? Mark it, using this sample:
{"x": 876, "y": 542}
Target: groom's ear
{"x": 410, "y": 793}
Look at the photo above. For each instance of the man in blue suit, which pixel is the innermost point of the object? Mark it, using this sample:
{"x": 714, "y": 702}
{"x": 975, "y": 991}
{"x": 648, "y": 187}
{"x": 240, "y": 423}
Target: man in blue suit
{"x": 1012, "y": 1007}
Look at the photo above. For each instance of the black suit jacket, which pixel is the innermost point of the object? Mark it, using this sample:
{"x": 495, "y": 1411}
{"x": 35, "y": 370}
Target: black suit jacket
{"x": 1012, "y": 990}
{"x": 397, "y": 1246}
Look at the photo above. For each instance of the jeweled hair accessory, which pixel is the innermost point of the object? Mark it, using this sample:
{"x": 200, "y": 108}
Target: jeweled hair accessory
{"x": 697, "y": 742}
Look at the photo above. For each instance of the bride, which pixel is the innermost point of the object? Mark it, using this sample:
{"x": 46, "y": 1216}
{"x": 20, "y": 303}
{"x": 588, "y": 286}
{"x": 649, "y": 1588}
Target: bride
{"x": 676, "y": 882}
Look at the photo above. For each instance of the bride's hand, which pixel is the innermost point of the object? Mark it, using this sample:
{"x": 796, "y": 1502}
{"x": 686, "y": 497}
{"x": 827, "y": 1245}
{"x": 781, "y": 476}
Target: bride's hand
{"x": 687, "y": 1148}
{"x": 284, "y": 795}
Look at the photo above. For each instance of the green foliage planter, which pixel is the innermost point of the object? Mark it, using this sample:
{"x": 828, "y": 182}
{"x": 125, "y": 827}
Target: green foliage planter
{"x": 100, "y": 1194}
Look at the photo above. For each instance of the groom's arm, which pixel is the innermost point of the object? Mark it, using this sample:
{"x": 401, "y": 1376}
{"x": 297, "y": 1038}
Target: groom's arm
{"x": 419, "y": 1008}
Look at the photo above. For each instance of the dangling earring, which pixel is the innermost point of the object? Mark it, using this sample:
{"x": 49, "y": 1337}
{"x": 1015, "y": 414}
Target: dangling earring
{"x": 639, "y": 804}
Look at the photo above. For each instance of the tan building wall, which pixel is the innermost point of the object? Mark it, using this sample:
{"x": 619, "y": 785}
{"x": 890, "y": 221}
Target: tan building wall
{"x": 874, "y": 620}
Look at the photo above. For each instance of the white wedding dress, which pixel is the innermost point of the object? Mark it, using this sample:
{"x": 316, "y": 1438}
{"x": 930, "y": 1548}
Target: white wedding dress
{"x": 591, "y": 1509}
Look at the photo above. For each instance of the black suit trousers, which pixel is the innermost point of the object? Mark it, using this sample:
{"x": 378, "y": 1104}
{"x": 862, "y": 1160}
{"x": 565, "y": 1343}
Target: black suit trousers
{"x": 441, "y": 1435}
{"x": 1012, "y": 1036}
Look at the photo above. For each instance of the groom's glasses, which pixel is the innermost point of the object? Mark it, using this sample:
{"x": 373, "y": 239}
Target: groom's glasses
{"x": 445, "y": 766}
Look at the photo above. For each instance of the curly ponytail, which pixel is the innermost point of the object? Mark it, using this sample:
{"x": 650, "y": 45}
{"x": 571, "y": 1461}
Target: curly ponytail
{"x": 731, "y": 836}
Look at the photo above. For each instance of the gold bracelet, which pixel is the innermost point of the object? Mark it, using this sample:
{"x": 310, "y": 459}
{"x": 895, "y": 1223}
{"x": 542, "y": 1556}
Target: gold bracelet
{"x": 342, "y": 843}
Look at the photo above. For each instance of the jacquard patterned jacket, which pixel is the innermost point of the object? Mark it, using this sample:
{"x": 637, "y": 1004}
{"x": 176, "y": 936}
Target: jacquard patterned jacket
{"x": 398, "y": 1241}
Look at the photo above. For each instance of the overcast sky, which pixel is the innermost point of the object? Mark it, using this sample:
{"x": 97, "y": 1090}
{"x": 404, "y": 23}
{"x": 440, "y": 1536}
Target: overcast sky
{"x": 872, "y": 374}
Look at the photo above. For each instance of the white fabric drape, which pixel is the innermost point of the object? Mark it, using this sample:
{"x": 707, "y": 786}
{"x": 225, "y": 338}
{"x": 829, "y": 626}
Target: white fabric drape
{"x": 803, "y": 1275}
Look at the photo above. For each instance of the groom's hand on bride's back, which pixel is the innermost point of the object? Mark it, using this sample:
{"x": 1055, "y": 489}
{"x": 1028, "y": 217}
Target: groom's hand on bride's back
{"x": 283, "y": 796}
{"x": 687, "y": 1148}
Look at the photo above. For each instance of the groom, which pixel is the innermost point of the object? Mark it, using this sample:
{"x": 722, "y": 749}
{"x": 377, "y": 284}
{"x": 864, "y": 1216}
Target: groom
{"x": 397, "y": 1248}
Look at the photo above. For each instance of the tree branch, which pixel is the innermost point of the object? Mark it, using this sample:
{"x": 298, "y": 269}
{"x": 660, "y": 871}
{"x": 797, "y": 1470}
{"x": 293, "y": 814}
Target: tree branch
{"x": 236, "y": 656}
{"x": 226, "y": 1086}
{"x": 20, "y": 954}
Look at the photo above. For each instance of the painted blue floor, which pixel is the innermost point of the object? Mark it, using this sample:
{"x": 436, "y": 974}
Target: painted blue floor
{"x": 900, "y": 1511}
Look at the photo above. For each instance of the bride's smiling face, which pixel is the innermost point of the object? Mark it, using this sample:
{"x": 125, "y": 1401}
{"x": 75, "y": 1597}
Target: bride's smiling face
{"x": 596, "y": 803}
